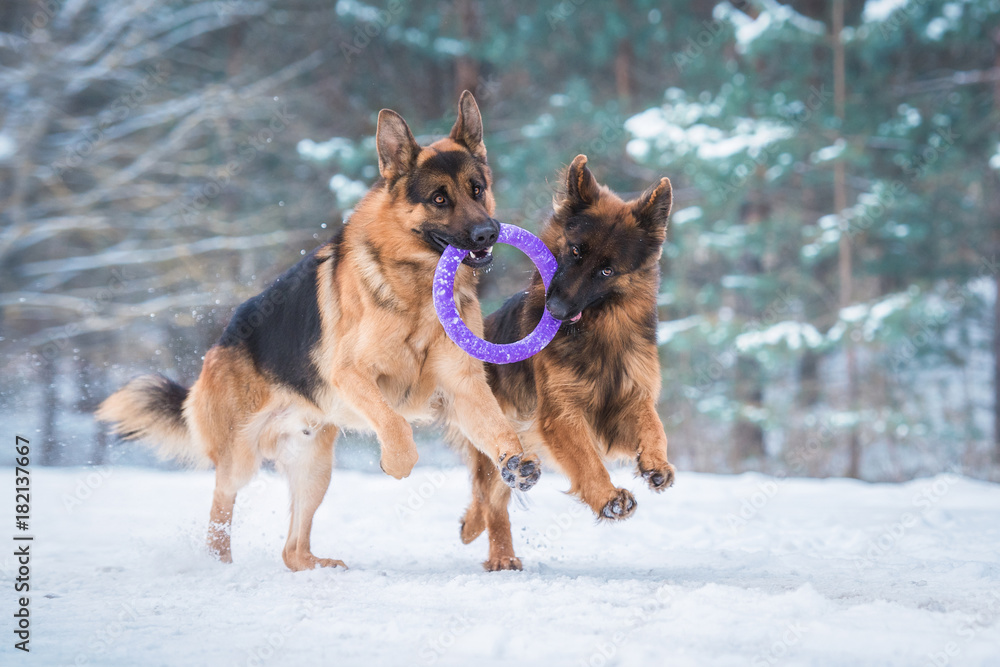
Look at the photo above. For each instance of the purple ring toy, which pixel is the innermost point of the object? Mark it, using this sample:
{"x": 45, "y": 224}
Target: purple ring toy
{"x": 444, "y": 301}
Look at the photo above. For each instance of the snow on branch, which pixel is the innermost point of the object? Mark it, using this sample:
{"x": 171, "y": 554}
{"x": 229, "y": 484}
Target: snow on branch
{"x": 170, "y": 253}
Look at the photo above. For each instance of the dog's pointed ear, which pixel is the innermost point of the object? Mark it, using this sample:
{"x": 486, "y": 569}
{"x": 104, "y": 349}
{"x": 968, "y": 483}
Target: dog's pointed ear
{"x": 397, "y": 149}
{"x": 582, "y": 189}
{"x": 652, "y": 208}
{"x": 468, "y": 127}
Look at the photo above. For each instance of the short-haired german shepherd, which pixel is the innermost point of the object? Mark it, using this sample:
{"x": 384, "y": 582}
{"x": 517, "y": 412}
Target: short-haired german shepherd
{"x": 592, "y": 392}
{"x": 347, "y": 338}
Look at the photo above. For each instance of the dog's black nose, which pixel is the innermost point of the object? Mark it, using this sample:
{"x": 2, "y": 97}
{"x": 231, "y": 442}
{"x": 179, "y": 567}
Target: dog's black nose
{"x": 558, "y": 308}
{"x": 485, "y": 234}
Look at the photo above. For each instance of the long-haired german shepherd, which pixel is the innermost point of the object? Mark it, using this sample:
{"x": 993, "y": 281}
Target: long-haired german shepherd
{"x": 347, "y": 338}
{"x": 592, "y": 392}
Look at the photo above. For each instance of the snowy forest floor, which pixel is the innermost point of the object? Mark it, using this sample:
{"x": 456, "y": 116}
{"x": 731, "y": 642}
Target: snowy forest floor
{"x": 719, "y": 570}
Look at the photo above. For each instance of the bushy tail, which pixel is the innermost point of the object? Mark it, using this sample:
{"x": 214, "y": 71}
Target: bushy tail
{"x": 151, "y": 408}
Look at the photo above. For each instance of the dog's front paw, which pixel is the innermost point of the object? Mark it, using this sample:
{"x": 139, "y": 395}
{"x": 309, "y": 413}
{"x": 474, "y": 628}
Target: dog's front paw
{"x": 621, "y": 506}
{"x": 399, "y": 464}
{"x": 659, "y": 479}
{"x": 520, "y": 471}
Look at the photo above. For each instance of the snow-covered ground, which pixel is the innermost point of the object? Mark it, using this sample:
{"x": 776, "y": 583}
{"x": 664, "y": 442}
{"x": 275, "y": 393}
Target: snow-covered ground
{"x": 743, "y": 570}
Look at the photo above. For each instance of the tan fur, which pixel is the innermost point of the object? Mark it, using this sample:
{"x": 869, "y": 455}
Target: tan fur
{"x": 384, "y": 359}
{"x": 128, "y": 410}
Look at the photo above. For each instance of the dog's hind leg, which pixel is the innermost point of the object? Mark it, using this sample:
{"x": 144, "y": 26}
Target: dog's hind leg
{"x": 474, "y": 519}
{"x": 490, "y": 497}
{"x": 308, "y": 463}
{"x": 235, "y": 466}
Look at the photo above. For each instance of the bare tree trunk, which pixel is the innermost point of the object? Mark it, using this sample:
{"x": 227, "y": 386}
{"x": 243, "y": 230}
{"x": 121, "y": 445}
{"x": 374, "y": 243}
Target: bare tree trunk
{"x": 748, "y": 436}
{"x": 91, "y": 384}
{"x": 996, "y": 373}
{"x": 99, "y": 455}
{"x": 623, "y": 65}
{"x": 234, "y": 59}
{"x": 845, "y": 263}
{"x": 810, "y": 391}
{"x": 50, "y": 408}
{"x": 466, "y": 67}
{"x": 996, "y": 250}
{"x": 748, "y": 388}
{"x": 623, "y": 74}
{"x": 809, "y": 379}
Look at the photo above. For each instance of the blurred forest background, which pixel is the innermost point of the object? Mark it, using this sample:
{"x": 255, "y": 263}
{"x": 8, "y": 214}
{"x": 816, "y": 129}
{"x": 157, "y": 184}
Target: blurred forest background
{"x": 828, "y": 303}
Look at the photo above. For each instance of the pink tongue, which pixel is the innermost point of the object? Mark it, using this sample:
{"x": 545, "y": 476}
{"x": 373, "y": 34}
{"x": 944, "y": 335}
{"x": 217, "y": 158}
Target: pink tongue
{"x": 574, "y": 319}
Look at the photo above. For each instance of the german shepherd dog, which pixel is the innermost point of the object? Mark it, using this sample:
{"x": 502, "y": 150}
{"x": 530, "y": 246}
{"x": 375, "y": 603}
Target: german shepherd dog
{"x": 347, "y": 338}
{"x": 592, "y": 392}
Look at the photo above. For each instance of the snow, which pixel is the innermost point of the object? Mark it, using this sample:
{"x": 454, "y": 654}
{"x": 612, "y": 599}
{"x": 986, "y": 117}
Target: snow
{"x": 936, "y": 28}
{"x": 348, "y": 191}
{"x": 323, "y": 151}
{"x": 911, "y": 115}
{"x": 872, "y": 314}
{"x": 673, "y": 130}
{"x": 793, "y": 334}
{"x": 358, "y": 10}
{"x": 665, "y": 331}
{"x": 771, "y": 14}
{"x": 854, "y": 313}
{"x": 876, "y": 11}
{"x": 450, "y": 46}
{"x": 542, "y": 126}
{"x": 750, "y": 30}
{"x": 8, "y": 147}
{"x": 830, "y": 152}
{"x": 686, "y": 215}
{"x": 869, "y": 318}
{"x": 718, "y": 570}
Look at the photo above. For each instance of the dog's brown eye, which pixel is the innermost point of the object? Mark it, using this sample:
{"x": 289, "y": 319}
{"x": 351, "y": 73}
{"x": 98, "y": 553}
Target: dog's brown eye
{"x": 575, "y": 250}
{"x": 607, "y": 271}
{"x": 439, "y": 199}
{"x": 476, "y": 191}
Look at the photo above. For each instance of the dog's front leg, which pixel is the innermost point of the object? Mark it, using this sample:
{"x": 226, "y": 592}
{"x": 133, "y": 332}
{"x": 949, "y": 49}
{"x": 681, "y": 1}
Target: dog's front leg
{"x": 651, "y": 446}
{"x": 570, "y": 441}
{"x": 360, "y": 391}
{"x": 478, "y": 415}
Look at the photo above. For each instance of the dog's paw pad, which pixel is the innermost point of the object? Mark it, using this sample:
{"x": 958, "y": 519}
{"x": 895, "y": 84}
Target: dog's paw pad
{"x": 620, "y": 507}
{"x": 520, "y": 471}
{"x": 659, "y": 480}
